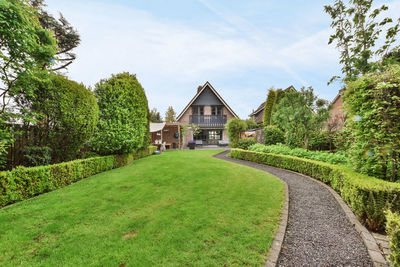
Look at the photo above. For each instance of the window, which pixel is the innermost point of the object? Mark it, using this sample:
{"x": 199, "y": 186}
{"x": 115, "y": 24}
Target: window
{"x": 216, "y": 110}
{"x": 202, "y": 135}
{"x": 215, "y": 135}
{"x": 198, "y": 110}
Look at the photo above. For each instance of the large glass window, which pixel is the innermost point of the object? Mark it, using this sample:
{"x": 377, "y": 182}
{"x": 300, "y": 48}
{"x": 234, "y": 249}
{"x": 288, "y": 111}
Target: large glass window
{"x": 215, "y": 134}
{"x": 202, "y": 135}
{"x": 198, "y": 110}
{"x": 216, "y": 110}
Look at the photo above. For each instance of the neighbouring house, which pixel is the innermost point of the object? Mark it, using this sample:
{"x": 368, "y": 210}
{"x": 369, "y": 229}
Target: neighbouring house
{"x": 337, "y": 118}
{"x": 167, "y": 133}
{"x": 258, "y": 114}
{"x": 209, "y": 112}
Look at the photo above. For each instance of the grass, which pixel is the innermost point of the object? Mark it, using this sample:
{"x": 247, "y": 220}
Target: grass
{"x": 178, "y": 208}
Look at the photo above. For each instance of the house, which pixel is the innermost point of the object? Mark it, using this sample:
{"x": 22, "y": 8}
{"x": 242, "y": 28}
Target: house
{"x": 337, "y": 118}
{"x": 167, "y": 133}
{"x": 209, "y": 112}
{"x": 258, "y": 114}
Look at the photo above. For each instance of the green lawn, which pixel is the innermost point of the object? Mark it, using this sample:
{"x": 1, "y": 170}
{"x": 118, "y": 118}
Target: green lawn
{"x": 178, "y": 208}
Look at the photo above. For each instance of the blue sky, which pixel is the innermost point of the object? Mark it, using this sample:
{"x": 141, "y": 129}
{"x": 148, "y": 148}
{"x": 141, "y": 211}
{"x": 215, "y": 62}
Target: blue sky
{"x": 242, "y": 48}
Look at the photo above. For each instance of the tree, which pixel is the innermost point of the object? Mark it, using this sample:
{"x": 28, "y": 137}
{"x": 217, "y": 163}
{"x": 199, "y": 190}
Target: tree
{"x": 300, "y": 114}
{"x": 251, "y": 124}
{"x": 124, "y": 115}
{"x": 170, "y": 115}
{"x": 66, "y": 115}
{"x": 357, "y": 31}
{"x": 67, "y": 37}
{"x": 155, "y": 116}
{"x": 372, "y": 103}
{"x": 273, "y": 135}
{"x": 269, "y": 106}
{"x": 235, "y": 128}
{"x": 24, "y": 47}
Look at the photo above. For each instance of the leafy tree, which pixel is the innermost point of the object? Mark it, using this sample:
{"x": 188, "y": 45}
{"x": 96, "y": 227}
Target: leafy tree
{"x": 251, "y": 124}
{"x": 67, "y": 37}
{"x": 235, "y": 128}
{"x": 300, "y": 114}
{"x": 269, "y": 106}
{"x": 273, "y": 135}
{"x": 155, "y": 116}
{"x": 356, "y": 32}
{"x": 24, "y": 47}
{"x": 372, "y": 103}
{"x": 124, "y": 115}
{"x": 66, "y": 116}
{"x": 170, "y": 115}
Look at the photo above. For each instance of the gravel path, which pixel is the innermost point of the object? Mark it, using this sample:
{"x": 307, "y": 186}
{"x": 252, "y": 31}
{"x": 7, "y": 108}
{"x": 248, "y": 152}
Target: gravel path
{"x": 318, "y": 232}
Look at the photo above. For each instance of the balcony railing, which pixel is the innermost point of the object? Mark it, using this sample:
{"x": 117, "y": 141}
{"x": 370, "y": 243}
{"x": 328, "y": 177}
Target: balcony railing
{"x": 208, "y": 120}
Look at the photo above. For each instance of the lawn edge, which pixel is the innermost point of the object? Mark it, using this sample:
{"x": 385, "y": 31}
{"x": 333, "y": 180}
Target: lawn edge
{"x": 275, "y": 249}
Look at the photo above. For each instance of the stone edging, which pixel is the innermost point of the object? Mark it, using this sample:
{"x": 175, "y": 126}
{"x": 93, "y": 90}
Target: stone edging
{"x": 276, "y": 246}
{"x": 369, "y": 241}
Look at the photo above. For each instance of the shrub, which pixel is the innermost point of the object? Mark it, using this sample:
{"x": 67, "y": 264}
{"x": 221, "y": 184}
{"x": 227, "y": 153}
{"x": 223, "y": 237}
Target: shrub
{"x": 246, "y": 142}
{"x": 23, "y": 183}
{"x": 269, "y": 106}
{"x": 37, "y": 156}
{"x": 251, "y": 124}
{"x": 90, "y": 154}
{"x": 321, "y": 140}
{"x": 67, "y": 115}
{"x": 324, "y": 156}
{"x": 235, "y": 128}
{"x": 372, "y": 103}
{"x": 124, "y": 116}
{"x": 393, "y": 232}
{"x": 273, "y": 135}
{"x": 367, "y": 196}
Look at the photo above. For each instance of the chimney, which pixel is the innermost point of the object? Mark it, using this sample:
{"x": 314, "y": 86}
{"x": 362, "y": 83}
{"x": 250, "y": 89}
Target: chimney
{"x": 199, "y": 88}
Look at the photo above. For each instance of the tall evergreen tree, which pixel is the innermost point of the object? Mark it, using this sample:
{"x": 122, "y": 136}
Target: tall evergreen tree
{"x": 170, "y": 115}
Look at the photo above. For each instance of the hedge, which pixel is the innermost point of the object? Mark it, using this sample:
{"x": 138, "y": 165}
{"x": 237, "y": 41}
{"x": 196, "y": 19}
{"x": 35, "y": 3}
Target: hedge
{"x": 393, "y": 231}
{"x": 368, "y": 197}
{"x": 24, "y": 182}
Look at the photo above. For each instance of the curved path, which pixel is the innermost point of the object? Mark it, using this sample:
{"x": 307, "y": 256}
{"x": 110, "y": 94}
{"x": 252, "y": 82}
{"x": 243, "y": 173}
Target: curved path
{"x": 318, "y": 232}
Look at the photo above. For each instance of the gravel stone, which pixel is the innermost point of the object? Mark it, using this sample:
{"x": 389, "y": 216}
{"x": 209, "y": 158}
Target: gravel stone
{"x": 318, "y": 232}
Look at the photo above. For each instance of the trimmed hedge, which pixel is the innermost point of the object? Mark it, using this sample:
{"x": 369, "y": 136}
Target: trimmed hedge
{"x": 23, "y": 183}
{"x": 393, "y": 231}
{"x": 367, "y": 196}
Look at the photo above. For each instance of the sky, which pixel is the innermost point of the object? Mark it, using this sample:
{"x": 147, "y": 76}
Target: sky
{"x": 242, "y": 48}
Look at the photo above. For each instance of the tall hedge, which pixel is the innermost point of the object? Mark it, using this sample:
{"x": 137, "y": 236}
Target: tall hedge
{"x": 269, "y": 106}
{"x": 124, "y": 116}
{"x": 66, "y": 113}
{"x": 235, "y": 128}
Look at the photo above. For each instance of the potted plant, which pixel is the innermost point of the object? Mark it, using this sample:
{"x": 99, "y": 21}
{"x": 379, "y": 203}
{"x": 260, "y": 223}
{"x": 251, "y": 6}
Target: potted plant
{"x": 192, "y": 144}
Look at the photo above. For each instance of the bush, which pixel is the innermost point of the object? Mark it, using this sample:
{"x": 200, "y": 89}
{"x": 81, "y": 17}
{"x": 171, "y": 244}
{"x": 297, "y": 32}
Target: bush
{"x": 235, "y": 128}
{"x": 321, "y": 140}
{"x": 367, "y": 196}
{"x": 393, "y": 232}
{"x": 124, "y": 116}
{"x": 90, "y": 154}
{"x": 324, "y": 156}
{"x": 251, "y": 124}
{"x": 273, "y": 135}
{"x": 246, "y": 142}
{"x": 23, "y": 183}
{"x": 269, "y": 106}
{"x": 37, "y": 156}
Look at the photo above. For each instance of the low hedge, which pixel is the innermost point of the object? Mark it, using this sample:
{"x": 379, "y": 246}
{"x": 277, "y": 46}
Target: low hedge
{"x": 24, "y": 182}
{"x": 367, "y": 196}
{"x": 393, "y": 231}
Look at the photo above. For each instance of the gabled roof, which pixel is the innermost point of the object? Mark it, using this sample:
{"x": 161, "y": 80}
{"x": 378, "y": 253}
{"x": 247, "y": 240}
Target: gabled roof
{"x": 261, "y": 107}
{"x": 207, "y": 84}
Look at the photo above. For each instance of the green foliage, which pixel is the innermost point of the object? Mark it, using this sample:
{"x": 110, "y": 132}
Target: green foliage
{"x": 324, "y": 156}
{"x": 393, "y": 232}
{"x": 322, "y": 140}
{"x": 6, "y": 139}
{"x": 373, "y": 107}
{"x": 367, "y": 196}
{"x": 269, "y": 106}
{"x": 300, "y": 114}
{"x": 235, "y": 128}
{"x": 66, "y": 112}
{"x": 246, "y": 142}
{"x": 23, "y": 183}
{"x": 251, "y": 124}
{"x": 37, "y": 156}
{"x": 170, "y": 115}
{"x": 155, "y": 116}
{"x": 356, "y": 32}
{"x": 273, "y": 135}
{"x": 124, "y": 116}
{"x": 342, "y": 139}
{"x": 89, "y": 154}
